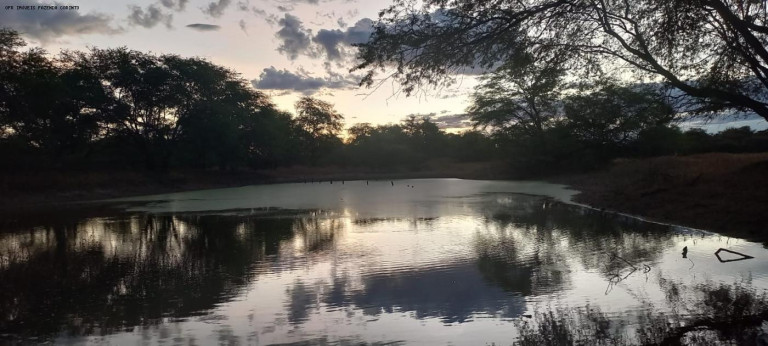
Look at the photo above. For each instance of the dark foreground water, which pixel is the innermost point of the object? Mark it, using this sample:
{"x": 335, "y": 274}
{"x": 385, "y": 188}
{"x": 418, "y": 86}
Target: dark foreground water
{"x": 437, "y": 261}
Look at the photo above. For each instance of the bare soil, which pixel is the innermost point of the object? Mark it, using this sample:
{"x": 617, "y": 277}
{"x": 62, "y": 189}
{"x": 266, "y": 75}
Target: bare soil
{"x": 54, "y": 189}
{"x": 724, "y": 193}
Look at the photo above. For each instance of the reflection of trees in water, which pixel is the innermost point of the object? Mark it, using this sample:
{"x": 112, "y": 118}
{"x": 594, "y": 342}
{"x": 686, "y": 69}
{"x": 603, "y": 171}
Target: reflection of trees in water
{"x": 318, "y": 233}
{"x": 528, "y": 248}
{"x": 583, "y": 326}
{"x": 710, "y": 314}
{"x": 527, "y": 231}
{"x": 101, "y": 276}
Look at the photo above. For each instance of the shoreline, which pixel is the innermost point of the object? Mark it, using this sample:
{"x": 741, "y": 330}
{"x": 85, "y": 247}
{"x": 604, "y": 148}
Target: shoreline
{"x": 716, "y": 193}
{"x": 719, "y": 193}
{"x": 40, "y": 190}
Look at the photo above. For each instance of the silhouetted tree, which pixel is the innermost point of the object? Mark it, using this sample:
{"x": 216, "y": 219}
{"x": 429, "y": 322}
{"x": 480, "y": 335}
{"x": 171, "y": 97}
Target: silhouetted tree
{"x": 522, "y": 95}
{"x": 322, "y": 123}
{"x": 713, "y": 50}
{"x": 608, "y": 114}
{"x": 425, "y": 137}
{"x": 359, "y": 132}
{"x": 318, "y": 117}
{"x": 47, "y": 105}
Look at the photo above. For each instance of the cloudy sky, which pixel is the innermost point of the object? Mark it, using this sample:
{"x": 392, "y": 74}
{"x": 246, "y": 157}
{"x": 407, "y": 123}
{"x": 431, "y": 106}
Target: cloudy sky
{"x": 287, "y": 48}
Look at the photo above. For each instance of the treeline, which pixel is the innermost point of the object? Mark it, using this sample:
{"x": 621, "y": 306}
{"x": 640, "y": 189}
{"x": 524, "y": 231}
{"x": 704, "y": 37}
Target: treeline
{"x": 545, "y": 125}
{"x": 124, "y": 109}
{"x": 413, "y": 143}
{"x": 120, "y": 108}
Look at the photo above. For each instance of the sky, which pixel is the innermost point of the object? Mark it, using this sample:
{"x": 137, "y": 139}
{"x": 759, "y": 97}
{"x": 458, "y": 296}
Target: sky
{"x": 286, "y": 48}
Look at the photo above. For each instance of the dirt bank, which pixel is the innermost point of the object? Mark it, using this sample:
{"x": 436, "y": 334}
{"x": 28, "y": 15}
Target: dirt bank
{"x": 724, "y": 193}
{"x": 50, "y": 189}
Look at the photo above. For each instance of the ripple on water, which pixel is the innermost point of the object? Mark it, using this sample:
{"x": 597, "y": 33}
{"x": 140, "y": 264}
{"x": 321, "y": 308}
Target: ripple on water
{"x": 462, "y": 262}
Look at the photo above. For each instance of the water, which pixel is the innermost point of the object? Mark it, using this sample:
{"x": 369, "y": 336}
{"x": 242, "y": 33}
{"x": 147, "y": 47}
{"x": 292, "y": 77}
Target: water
{"x": 432, "y": 261}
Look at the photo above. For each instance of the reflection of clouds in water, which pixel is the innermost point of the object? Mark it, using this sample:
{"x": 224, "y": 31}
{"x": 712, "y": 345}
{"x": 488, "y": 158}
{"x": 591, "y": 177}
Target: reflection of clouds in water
{"x": 475, "y": 258}
{"x": 428, "y": 199}
{"x": 302, "y": 300}
{"x": 526, "y": 248}
{"x": 453, "y": 293}
{"x": 140, "y": 269}
{"x": 718, "y": 125}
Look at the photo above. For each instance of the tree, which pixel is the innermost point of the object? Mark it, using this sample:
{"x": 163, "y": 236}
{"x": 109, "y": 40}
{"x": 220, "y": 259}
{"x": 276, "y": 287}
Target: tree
{"x": 170, "y": 107}
{"x": 470, "y": 146}
{"x": 222, "y": 119}
{"x": 318, "y": 117}
{"x": 148, "y": 104}
{"x": 383, "y": 146}
{"x": 272, "y": 138}
{"x": 521, "y": 95}
{"x": 322, "y": 124}
{"x": 424, "y": 136}
{"x": 359, "y": 133}
{"x": 44, "y": 103}
{"x": 611, "y": 115}
{"x": 420, "y": 127}
{"x": 123, "y": 107}
{"x": 714, "y": 50}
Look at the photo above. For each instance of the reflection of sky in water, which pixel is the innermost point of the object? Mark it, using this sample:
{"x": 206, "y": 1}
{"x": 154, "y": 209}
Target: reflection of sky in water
{"x": 718, "y": 125}
{"x": 456, "y": 262}
{"x": 427, "y": 197}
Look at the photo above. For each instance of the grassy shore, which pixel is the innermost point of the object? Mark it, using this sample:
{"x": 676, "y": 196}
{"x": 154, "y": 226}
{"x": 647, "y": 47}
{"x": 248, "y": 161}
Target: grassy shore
{"x": 46, "y": 189}
{"x": 724, "y": 193}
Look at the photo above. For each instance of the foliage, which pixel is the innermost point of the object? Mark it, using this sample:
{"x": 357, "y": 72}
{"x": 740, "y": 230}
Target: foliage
{"x": 522, "y": 94}
{"x": 613, "y": 115}
{"x": 547, "y": 129}
{"x": 724, "y": 314}
{"x": 122, "y": 107}
{"x": 712, "y": 50}
{"x": 320, "y": 126}
{"x": 318, "y": 117}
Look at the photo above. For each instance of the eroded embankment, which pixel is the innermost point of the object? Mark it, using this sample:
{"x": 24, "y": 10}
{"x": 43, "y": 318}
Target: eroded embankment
{"x": 724, "y": 193}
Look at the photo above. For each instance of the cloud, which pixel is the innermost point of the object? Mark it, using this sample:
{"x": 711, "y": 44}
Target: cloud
{"x": 179, "y": 5}
{"x": 296, "y": 2}
{"x": 149, "y": 18}
{"x": 283, "y": 8}
{"x": 203, "y": 27}
{"x": 44, "y": 25}
{"x": 333, "y": 41}
{"x": 274, "y": 79}
{"x": 216, "y": 8}
{"x": 329, "y": 40}
{"x": 295, "y": 38}
{"x": 451, "y": 121}
{"x": 243, "y": 26}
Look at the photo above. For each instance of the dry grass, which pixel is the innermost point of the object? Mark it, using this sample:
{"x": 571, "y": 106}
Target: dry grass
{"x": 44, "y": 188}
{"x": 726, "y": 193}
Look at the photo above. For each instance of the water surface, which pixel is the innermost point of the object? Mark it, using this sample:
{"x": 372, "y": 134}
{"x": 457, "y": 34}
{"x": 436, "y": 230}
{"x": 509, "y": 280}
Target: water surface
{"x": 429, "y": 261}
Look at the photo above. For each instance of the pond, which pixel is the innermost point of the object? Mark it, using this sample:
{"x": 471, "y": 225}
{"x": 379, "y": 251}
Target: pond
{"x": 427, "y": 261}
